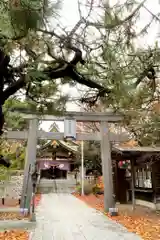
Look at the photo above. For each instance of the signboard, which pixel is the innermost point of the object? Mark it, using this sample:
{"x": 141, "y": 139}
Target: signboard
{"x": 70, "y": 129}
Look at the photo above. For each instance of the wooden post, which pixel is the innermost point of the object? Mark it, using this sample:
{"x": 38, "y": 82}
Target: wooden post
{"x": 30, "y": 160}
{"x": 82, "y": 168}
{"x": 107, "y": 167}
{"x": 133, "y": 184}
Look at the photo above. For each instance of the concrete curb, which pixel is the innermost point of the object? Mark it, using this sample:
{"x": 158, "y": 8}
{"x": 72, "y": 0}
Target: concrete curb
{"x": 11, "y": 209}
{"x": 16, "y": 224}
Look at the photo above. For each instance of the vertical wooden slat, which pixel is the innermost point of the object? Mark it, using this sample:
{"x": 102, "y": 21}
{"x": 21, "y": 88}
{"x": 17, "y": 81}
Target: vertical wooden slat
{"x": 133, "y": 184}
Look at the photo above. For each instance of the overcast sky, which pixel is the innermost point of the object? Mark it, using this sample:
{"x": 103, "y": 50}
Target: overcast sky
{"x": 70, "y": 16}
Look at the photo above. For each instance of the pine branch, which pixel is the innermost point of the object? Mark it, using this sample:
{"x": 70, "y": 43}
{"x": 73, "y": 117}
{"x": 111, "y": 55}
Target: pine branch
{"x": 69, "y": 70}
{"x": 13, "y": 88}
{"x": 120, "y": 22}
{"x": 64, "y": 70}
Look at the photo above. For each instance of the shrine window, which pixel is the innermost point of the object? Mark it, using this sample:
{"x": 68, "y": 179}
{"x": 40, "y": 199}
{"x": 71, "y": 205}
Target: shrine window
{"x": 143, "y": 177}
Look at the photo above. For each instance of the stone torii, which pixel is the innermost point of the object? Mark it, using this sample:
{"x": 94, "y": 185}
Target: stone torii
{"x": 105, "y": 136}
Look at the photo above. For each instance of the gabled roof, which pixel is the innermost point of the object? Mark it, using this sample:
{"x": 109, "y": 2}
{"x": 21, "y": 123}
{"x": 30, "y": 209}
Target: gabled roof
{"x": 69, "y": 145}
{"x": 147, "y": 149}
{"x": 139, "y": 154}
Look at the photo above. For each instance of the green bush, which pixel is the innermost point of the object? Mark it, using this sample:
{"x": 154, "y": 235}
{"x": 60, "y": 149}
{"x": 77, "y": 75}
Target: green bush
{"x": 97, "y": 190}
{"x": 78, "y": 188}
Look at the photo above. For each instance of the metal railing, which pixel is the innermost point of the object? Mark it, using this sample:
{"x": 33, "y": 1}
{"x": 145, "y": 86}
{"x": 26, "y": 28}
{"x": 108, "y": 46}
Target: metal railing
{"x": 90, "y": 179}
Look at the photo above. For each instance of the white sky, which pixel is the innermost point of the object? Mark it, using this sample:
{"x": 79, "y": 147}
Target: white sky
{"x": 70, "y": 15}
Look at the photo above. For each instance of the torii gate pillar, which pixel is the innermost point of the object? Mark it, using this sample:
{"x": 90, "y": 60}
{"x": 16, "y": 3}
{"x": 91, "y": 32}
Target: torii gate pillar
{"x": 30, "y": 160}
{"x": 107, "y": 167}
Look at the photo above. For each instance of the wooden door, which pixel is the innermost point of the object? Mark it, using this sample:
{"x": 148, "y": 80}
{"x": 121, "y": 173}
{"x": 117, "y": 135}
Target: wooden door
{"x": 119, "y": 184}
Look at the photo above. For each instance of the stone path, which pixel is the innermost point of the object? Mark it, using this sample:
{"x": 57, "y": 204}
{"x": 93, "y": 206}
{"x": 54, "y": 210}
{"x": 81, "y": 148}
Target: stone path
{"x": 57, "y": 186}
{"x": 64, "y": 217}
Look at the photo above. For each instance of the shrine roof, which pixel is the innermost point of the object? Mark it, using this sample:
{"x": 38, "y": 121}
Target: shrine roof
{"x": 69, "y": 145}
{"x": 138, "y": 153}
{"x": 144, "y": 149}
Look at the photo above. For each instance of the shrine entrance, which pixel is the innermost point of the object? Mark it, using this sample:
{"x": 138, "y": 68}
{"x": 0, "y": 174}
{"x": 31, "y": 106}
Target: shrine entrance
{"x": 70, "y": 119}
{"x": 53, "y": 173}
{"x": 59, "y": 174}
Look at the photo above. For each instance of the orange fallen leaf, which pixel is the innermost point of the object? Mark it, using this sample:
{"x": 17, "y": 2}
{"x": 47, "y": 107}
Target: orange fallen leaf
{"x": 14, "y": 235}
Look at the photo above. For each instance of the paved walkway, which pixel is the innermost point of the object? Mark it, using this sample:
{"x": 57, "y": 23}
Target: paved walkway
{"x": 64, "y": 217}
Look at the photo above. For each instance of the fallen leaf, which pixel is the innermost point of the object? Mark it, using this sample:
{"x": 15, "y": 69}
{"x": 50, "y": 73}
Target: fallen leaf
{"x": 15, "y": 234}
{"x": 145, "y": 224}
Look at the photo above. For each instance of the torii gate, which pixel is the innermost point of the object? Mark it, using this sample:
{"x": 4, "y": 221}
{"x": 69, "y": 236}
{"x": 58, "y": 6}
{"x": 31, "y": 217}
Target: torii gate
{"x": 104, "y": 136}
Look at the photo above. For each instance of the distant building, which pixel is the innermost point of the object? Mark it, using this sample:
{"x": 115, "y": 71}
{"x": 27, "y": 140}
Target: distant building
{"x": 57, "y": 158}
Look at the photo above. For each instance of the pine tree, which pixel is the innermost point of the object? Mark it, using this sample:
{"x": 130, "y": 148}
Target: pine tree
{"x": 115, "y": 71}
{"x": 128, "y": 71}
